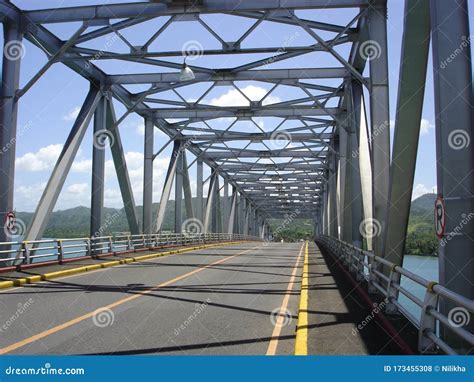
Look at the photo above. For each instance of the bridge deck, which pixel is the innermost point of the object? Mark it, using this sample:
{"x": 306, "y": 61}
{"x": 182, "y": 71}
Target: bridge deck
{"x": 220, "y": 300}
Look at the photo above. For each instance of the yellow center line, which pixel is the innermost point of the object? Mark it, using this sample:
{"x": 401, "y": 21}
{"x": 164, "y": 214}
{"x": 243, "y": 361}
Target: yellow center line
{"x": 301, "y": 342}
{"x": 272, "y": 346}
{"x": 76, "y": 320}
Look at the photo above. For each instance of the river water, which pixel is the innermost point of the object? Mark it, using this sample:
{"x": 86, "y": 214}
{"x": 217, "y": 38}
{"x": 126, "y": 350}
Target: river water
{"x": 424, "y": 266}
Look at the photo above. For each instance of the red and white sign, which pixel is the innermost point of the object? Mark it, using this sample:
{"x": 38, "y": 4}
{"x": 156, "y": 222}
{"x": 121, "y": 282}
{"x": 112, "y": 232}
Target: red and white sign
{"x": 440, "y": 216}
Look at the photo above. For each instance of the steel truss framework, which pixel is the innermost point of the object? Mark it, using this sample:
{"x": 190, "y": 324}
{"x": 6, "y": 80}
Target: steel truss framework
{"x": 327, "y": 158}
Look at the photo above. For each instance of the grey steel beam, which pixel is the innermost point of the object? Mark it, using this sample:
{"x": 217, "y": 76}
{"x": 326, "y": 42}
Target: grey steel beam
{"x": 98, "y": 168}
{"x": 148, "y": 154}
{"x": 131, "y": 10}
{"x": 411, "y": 90}
{"x": 455, "y": 153}
{"x": 178, "y": 193}
{"x": 231, "y": 217}
{"x": 272, "y": 167}
{"x": 12, "y": 40}
{"x": 225, "y": 112}
{"x": 225, "y": 206}
{"x": 188, "y": 197}
{"x": 269, "y": 135}
{"x": 167, "y": 186}
{"x": 199, "y": 189}
{"x": 217, "y": 155}
{"x": 120, "y": 164}
{"x": 353, "y": 158}
{"x": 210, "y": 202}
{"x": 227, "y": 76}
{"x": 380, "y": 119}
{"x": 332, "y": 197}
{"x": 56, "y": 181}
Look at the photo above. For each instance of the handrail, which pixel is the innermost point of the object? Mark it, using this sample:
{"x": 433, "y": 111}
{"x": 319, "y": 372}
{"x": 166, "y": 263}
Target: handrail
{"x": 368, "y": 267}
{"x": 29, "y": 252}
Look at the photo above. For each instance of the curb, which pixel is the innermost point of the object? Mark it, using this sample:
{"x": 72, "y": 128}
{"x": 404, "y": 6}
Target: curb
{"x": 88, "y": 268}
{"x": 301, "y": 341}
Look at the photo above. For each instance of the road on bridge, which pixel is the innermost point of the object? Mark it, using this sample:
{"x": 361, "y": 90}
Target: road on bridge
{"x": 234, "y": 299}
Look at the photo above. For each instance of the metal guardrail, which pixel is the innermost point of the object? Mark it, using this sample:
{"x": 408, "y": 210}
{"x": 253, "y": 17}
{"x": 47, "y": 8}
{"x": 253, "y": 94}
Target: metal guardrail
{"x": 29, "y": 252}
{"x": 367, "y": 266}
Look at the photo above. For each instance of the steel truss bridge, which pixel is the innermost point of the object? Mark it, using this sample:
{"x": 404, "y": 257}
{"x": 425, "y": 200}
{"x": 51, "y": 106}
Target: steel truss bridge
{"x": 328, "y": 157}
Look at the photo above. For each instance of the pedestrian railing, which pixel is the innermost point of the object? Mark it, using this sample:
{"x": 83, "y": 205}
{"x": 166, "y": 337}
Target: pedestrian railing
{"x": 366, "y": 266}
{"x": 29, "y": 252}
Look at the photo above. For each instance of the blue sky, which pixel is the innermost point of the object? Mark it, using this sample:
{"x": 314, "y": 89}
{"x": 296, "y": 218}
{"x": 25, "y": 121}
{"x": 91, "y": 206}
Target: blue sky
{"x": 47, "y": 111}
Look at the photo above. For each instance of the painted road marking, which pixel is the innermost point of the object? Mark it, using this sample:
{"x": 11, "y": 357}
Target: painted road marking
{"x": 272, "y": 346}
{"x": 301, "y": 342}
{"x": 76, "y": 320}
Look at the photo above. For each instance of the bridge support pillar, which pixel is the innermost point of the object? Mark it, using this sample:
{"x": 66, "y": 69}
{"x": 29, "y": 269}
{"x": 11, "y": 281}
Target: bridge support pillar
{"x": 231, "y": 216}
{"x": 98, "y": 168}
{"x": 199, "y": 189}
{"x": 413, "y": 67}
{"x": 454, "y": 152}
{"x": 12, "y": 35}
{"x": 380, "y": 120}
{"x": 225, "y": 207}
{"x": 332, "y": 197}
{"x": 148, "y": 176}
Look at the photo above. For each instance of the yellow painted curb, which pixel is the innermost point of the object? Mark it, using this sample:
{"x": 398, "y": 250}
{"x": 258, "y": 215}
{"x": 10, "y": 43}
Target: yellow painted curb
{"x": 73, "y": 271}
{"x": 301, "y": 342}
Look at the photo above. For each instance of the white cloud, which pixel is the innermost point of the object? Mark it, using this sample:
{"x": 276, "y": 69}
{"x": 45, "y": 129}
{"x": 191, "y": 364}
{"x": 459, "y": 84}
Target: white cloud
{"x": 234, "y": 98}
{"x": 72, "y": 114}
{"x": 44, "y": 159}
{"x": 426, "y": 126}
{"x": 421, "y": 189}
{"x": 82, "y": 166}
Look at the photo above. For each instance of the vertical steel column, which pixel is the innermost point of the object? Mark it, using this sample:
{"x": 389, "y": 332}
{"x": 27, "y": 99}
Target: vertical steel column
{"x": 178, "y": 193}
{"x": 332, "y": 196}
{"x": 148, "y": 176}
{"x": 241, "y": 214}
{"x": 225, "y": 206}
{"x": 199, "y": 189}
{"x": 188, "y": 197}
{"x": 61, "y": 169}
{"x": 353, "y": 157}
{"x": 454, "y": 151}
{"x": 232, "y": 212}
{"x": 168, "y": 185}
{"x": 246, "y": 217}
{"x": 98, "y": 168}
{"x": 211, "y": 194}
{"x": 12, "y": 36}
{"x": 345, "y": 175}
{"x": 380, "y": 118}
{"x": 413, "y": 66}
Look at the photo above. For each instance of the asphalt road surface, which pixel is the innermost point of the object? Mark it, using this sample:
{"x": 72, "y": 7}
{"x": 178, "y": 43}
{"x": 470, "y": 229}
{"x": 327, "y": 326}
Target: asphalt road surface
{"x": 234, "y": 299}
